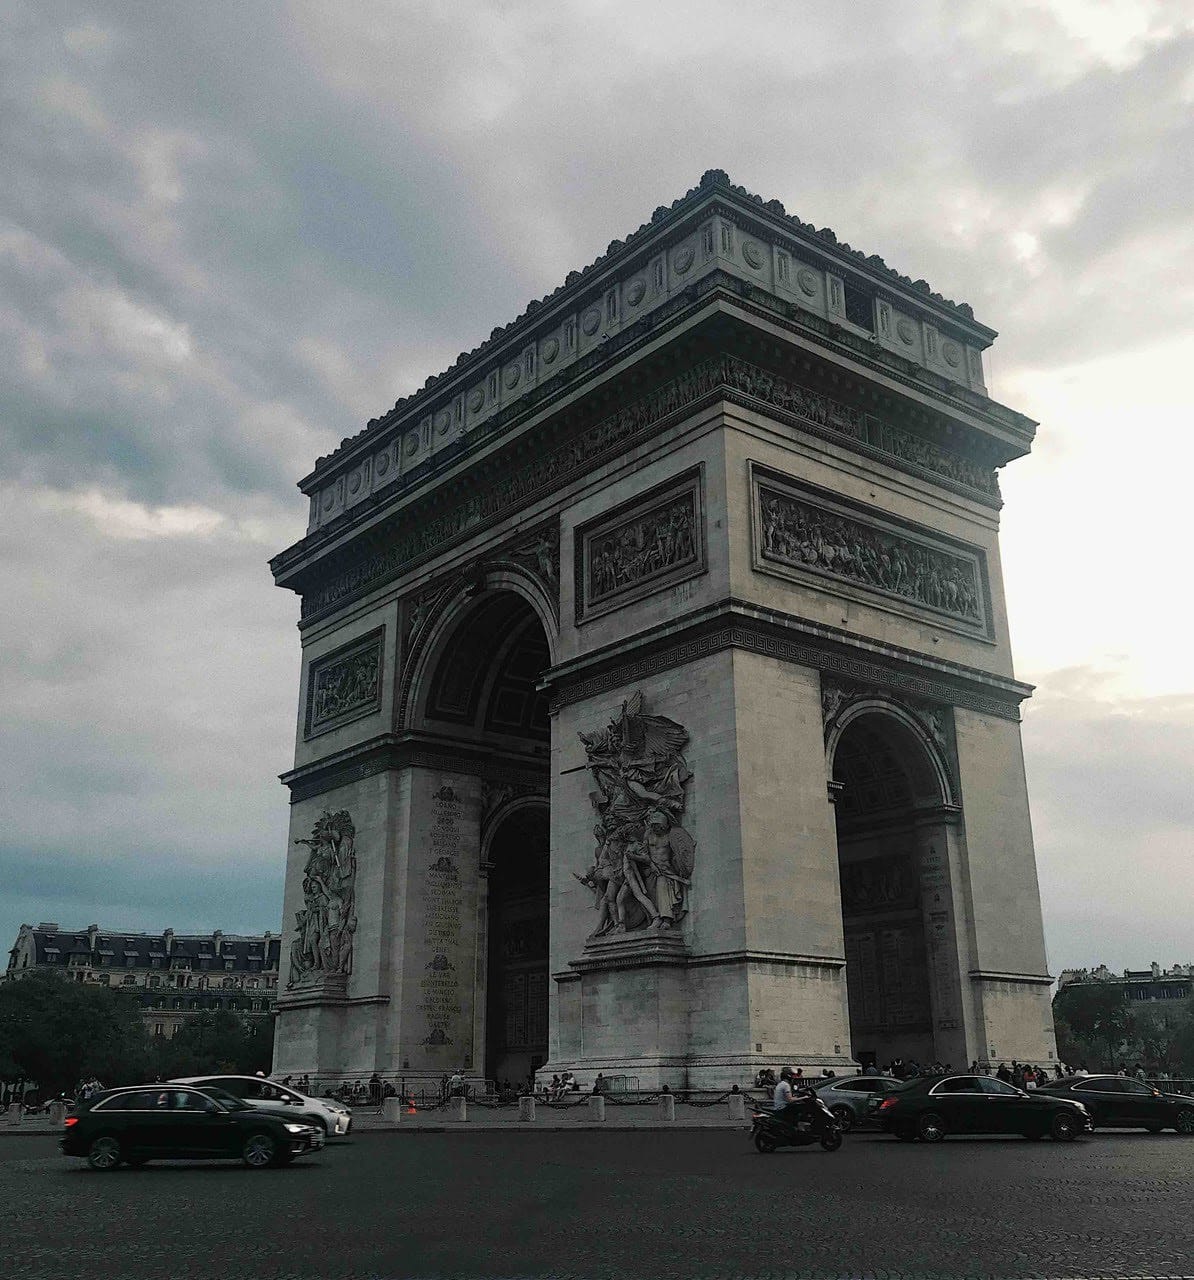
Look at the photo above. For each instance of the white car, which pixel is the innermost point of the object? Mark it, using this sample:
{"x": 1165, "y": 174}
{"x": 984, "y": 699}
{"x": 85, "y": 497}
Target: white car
{"x": 333, "y": 1117}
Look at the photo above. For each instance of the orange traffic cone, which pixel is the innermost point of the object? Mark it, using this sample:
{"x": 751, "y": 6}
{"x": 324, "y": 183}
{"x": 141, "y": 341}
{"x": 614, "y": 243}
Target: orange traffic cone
{"x": 410, "y": 1104}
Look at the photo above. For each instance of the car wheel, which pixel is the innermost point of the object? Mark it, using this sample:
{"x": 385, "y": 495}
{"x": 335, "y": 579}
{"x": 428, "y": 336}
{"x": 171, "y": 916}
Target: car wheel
{"x": 931, "y": 1127}
{"x": 844, "y": 1117}
{"x": 831, "y": 1141}
{"x": 259, "y": 1150}
{"x": 764, "y": 1144}
{"x": 1185, "y": 1120}
{"x": 1064, "y": 1127}
{"x": 104, "y": 1154}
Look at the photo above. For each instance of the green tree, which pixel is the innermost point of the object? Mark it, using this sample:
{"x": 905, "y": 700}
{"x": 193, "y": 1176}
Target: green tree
{"x": 217, "y": 1042}
{"x": 56, "y": 1032}
{"x": 1094, "y": 1024}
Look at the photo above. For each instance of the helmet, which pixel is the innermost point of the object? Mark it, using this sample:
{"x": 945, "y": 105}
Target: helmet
{"x": 786, "y": 1073}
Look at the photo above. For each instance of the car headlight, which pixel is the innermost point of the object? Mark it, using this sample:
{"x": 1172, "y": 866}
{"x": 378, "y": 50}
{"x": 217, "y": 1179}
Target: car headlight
{"x": 297, "y": 1128}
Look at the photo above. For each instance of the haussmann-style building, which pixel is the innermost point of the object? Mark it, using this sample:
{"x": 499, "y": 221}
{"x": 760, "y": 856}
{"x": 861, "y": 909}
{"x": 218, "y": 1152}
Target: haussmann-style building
{"x": 657, "y": 713}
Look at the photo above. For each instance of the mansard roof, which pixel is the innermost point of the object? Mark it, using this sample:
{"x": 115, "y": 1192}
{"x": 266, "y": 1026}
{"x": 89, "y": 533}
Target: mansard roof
{"x": 51, "y": 943}
{"x": 824, "y": 239}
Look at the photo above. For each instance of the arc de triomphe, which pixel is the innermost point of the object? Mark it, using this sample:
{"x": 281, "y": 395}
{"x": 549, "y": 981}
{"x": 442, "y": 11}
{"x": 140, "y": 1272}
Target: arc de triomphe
{"x": 657, "y": 712}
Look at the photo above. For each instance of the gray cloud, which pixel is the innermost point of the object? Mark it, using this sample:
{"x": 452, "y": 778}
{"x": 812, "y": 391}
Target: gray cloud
{"x": 226, "y": 244}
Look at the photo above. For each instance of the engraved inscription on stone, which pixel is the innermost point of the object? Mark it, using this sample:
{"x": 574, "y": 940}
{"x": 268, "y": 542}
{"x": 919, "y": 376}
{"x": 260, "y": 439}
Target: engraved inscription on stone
{"x": 345, "y": 685}
{"x": 801, "y": 533}
{"x": 643, "y": 547}
{"x": 440, "y": 1001}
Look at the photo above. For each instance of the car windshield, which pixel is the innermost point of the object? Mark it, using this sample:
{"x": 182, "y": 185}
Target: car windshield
{"x": 227, "y": 1100}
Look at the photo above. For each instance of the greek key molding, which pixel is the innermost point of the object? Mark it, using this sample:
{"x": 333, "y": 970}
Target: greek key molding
{"x": 807, "y": 535}
{"x": 828, "y": 653}
{"x": 725, "y": 375}
{"x": 655, "y": 540}
{"x": 345, "y": 685}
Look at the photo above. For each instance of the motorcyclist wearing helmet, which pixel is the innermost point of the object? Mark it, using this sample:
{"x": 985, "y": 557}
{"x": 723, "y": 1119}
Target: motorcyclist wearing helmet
{"x": 783, "y": 1100}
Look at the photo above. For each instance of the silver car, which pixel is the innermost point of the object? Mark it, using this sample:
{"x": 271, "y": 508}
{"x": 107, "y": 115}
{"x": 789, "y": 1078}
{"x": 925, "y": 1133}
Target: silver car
{"x": 333, "y": 1117}
{"x": 849, "y": 1097}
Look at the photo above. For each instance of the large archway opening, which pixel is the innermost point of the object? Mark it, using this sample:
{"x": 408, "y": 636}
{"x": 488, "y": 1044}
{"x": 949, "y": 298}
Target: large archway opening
{"x": 516, "y": 986}
{"x": 886, "y": 784}
{"x": 482, "y": 694}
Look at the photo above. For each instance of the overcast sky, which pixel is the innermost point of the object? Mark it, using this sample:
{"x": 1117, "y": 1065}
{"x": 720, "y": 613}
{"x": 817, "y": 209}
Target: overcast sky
{"x": 232, "y": 233}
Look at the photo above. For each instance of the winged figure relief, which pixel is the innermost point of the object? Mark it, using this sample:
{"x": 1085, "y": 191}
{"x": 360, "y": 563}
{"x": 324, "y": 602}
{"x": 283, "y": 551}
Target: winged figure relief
{"x": 643, "y": 863}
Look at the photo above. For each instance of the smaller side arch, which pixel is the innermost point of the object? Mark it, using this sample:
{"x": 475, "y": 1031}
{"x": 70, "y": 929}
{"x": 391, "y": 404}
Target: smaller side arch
{"x": 927, "y": 767}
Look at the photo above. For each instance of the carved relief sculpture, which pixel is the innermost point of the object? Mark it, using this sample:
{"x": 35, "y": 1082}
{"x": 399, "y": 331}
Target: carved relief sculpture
{"x": 325, "y": 925}
{"x": 345, "y": 685}
{"x": 805, "y": 535}
{"x": 643, "y": 863}
{"x": 653, "y": 542}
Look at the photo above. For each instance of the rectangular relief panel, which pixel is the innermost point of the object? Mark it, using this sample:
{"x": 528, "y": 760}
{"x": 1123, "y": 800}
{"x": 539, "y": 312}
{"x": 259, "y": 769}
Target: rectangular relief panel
{"x": 809, "y": 535}
{"x": 651, "y": 542}
{"x": 345, "y": 685}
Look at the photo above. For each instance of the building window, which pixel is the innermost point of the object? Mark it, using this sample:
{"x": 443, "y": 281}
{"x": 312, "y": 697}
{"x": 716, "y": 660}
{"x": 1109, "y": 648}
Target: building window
{"x": 860, "y": 306}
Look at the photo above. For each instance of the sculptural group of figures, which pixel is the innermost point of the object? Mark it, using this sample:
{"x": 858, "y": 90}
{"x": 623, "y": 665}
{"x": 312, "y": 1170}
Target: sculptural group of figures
{"x": 801, "y": 535}
{"x": 325, "y": 925}
{"x": 643, "y": 864}
{"x": 348, "y": 684}
{"x": 642, "y": 547}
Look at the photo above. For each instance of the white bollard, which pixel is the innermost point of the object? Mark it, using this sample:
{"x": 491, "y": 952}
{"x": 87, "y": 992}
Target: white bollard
{"x": 526, "y": 1107}
{"x": 667, "y": 1106}
{"x": 457, "y": 1108}
{"x": 737, "y": 1103}
{"x": 57, "y": 1114}
{"x": 596, "y": 1107}
{"x": 391, "y": 1110}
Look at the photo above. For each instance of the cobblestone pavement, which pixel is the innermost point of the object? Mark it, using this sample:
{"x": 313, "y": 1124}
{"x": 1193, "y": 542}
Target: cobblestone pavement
{"x": 595, "y": 1205}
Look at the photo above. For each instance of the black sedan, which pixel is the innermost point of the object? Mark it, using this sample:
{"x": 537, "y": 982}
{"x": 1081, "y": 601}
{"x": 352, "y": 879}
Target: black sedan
{"x": 174, "y": 1122}
{"x": 932, "y": 1106}
{"x": 1119, "y": 1102}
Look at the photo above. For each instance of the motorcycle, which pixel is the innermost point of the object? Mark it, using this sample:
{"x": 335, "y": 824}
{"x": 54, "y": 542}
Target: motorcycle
{"x": 813, "y": 1123}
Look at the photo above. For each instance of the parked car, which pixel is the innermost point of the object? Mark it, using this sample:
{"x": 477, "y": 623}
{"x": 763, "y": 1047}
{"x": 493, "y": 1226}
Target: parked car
{"x": 173, "y": 1122}
{"x": 931, "y": 1107}
{"x": 1119, "y": 1102}
{"x": 854, "y": 1099}
{"x": 333, "y": 1117}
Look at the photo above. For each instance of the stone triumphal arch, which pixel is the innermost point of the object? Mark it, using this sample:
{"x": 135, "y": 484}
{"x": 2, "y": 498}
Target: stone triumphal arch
{"x": 657, "y": 712}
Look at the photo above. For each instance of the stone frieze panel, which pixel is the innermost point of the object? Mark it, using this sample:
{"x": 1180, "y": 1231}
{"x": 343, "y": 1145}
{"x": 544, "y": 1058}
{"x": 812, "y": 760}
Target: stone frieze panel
{"x": 804, "y": 534}
{"x": 555, "y": 467}
{"x": 345, "y": 685}
{"x": 652, "y": 542}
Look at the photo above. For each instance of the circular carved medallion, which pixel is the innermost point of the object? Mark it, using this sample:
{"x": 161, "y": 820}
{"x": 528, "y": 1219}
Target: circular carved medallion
{"x": 683, "y": 260}
{"x": 513, "y": 373}
{"x": 636, "y": 292}
{"x": 906, "y": 329}
{"x": 410, "y": 446}
{"x": 752, "y": 254}
{"x": 591, "y": 321}
{"x": 476, "y": 399}
{"x": 354, "y": 482}
{"x": 551, "y": 349}
{"x": 381, "y": 463}
{"x": 952, "y": 353}
{"x": 807, "y": 281}
{"x": 443, "y": 421}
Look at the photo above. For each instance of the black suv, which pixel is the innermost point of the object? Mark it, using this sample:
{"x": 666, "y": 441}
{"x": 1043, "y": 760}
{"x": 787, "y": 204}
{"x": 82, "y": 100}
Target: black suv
{"x": 176, "y": 1122}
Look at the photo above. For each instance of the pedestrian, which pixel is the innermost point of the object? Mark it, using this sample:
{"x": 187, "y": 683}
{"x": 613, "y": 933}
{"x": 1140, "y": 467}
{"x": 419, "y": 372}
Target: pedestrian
{"x": 375, "y": 1089}
{"x": 1003, "y": 1073}
{"x": 456, "y": 1084}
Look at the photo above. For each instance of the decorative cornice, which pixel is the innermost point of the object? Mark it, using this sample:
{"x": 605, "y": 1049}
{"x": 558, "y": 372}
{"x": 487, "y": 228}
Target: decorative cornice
{"x": 733, "y": 624}
{"x": 583, "y": 287}
{"x": 726, "y": 377}
{"x": 1026, "y": 979}
{"x": 398, "y": 751}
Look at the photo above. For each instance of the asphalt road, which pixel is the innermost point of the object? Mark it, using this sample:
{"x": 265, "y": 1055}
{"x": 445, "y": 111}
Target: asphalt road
{"x": 594, "y": 1205}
